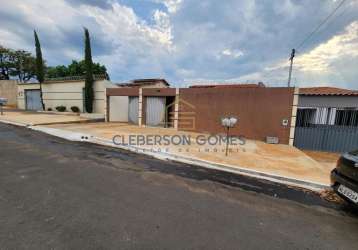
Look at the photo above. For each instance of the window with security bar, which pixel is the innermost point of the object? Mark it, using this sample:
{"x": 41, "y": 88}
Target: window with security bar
{"x": 312, "y": 117}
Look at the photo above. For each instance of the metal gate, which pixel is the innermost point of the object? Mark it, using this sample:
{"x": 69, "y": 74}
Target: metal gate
{"x": 33, "y": 99}
{"x": 327, "y": 129}
{"x": 133, "y": 106}
{"x": 155, "y": 111}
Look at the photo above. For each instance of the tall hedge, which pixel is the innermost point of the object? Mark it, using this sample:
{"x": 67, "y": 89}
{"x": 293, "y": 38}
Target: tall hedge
{"x": 89, "y": 94}
{"x": 40, "y": 69}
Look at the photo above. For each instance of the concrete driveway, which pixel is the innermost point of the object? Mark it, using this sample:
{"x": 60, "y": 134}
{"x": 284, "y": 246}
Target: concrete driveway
{"x": 280, "y": 160}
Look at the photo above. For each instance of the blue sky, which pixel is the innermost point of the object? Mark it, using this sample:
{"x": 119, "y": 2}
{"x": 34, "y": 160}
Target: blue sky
{"x": 192, "y": 41}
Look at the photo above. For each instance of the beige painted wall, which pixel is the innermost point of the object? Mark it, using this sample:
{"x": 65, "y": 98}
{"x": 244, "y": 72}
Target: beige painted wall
{"x": 67, "y": 93}
{"x": 8, "y": 89}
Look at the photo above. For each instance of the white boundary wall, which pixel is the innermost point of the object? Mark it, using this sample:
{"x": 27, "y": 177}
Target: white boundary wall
{"x": 8, "y": 90}
{"x": 66, "y": 93}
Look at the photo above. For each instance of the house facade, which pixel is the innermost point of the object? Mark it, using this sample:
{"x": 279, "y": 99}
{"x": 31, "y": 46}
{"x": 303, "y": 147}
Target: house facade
{"x": 327, "y": 119}
{"x": 262, "y": 111}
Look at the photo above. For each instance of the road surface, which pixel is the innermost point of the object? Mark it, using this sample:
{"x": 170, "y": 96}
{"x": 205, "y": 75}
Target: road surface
{"x": 56, "y": 194}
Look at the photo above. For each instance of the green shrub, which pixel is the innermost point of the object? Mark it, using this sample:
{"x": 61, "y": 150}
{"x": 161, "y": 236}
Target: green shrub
{"x": 75, "y": 109}
{"x": 61, "y": 108}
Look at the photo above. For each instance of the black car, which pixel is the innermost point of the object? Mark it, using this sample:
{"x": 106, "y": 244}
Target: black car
{"x": 344, "y": 178}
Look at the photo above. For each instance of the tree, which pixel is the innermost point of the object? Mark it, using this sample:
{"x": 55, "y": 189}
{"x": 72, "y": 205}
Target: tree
{"x": 89, "y": 95}
{"x": 4, "y": 63}
{"x": 40, "y": 68}
{"x": 76, "y": 68}
{"x": 23, "y": 65}
{"x": 16, "y": 63}
{"x": 56, "y": 72}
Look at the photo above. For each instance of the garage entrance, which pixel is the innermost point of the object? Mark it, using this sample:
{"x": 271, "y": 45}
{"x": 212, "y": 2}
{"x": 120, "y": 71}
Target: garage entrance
{"x": 155, "y": 111}
{"x": 133, "y": 106}
{"x": 33, "y": 99}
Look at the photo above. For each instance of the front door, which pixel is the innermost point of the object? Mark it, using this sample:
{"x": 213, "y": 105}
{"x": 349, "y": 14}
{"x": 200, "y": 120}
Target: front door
{"x": 133, "y": 106}
{"x": 155, "y": 111}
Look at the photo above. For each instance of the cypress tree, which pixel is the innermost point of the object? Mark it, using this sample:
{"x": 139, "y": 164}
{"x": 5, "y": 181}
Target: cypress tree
{"x": 40, "y": 71}
{"x": 89, "y": 95}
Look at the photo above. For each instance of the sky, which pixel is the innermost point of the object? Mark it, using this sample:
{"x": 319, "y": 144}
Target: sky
{"x": 194, "y": 41}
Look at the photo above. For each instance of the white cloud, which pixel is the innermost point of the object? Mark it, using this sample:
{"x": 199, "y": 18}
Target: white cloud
{"x": 326, "y": 64}
{"x": 172, "y": 5}
{"x": 123, "y": 27}
{"x": 117, "y": 28}
{"x": 162, "y": 23}
{"x": 232, "y": 53}
{"x": 9, "y": 39}
{"x": 322, "y": 58}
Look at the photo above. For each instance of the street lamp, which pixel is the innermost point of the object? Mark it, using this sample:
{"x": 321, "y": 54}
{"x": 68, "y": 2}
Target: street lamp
{"x": 228, "y": 122}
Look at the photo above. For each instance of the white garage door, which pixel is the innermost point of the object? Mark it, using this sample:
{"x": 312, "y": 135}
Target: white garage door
{"x": 155, "y": 111}
{"x": 133, "y": 109}
{"x": 33, "y": 99}
{"x": 118, "y": 108}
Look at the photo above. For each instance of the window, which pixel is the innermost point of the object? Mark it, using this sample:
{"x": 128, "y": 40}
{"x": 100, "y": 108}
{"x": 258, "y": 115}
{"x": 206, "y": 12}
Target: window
{"x": 305, "y": 117}
{"x": 346, "y": 117}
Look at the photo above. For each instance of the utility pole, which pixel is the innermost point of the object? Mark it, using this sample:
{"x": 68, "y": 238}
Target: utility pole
{"x": 291, "y": 64}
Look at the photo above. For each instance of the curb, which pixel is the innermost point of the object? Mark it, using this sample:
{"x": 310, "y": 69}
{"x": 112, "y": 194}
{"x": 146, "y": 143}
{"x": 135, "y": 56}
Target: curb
{"x": 70, "y": 122}
{"x": 72, "y": 136}
{"x": 14, "y": 123}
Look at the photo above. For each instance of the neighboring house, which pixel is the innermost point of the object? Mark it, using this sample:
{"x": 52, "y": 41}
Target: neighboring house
{"x": 327, "y": 119}
{"x": 66, "y": 92}
{"x": 145, "y": 83}
{"x": 125, "y": 107}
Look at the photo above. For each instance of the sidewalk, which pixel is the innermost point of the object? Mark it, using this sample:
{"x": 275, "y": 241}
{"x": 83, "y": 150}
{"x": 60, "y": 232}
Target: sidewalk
{"x": 327, "y": 159}
{"x": 281, "y": 162}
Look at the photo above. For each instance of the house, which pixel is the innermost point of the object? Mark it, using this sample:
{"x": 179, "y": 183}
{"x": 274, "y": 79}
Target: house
{"x": 145, "y": 83}
{"x": 327, "y": 119}
{"x": 262, "y": 111}
{"x": 124, "y": 106}
{"x": 68, "y": 92}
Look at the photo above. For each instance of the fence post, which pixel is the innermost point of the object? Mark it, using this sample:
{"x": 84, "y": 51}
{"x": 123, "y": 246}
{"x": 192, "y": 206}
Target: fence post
{"x": 140, "y": 107}
{"x": 293, "y": 116}
{"x": 176, "y": 109}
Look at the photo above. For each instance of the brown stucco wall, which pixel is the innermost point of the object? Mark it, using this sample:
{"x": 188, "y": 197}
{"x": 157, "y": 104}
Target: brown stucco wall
{"x": 125, "y": 91}
{"x": 260, "y": 110}
{"x": 159, "y": 92}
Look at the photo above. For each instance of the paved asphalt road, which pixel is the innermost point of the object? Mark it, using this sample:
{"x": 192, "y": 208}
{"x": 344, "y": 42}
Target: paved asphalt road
{"x": 56, "y": 194}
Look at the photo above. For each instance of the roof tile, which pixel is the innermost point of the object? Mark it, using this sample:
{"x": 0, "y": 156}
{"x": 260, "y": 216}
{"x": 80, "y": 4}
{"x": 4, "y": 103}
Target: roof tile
{"x": 328, "y": 91}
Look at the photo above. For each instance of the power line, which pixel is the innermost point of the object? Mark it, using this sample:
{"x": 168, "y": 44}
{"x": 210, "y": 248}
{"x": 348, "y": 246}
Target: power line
{"x": 308, "y": 37}
{"x": 321, "y": 24}
{"x": 268, "y": 74}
